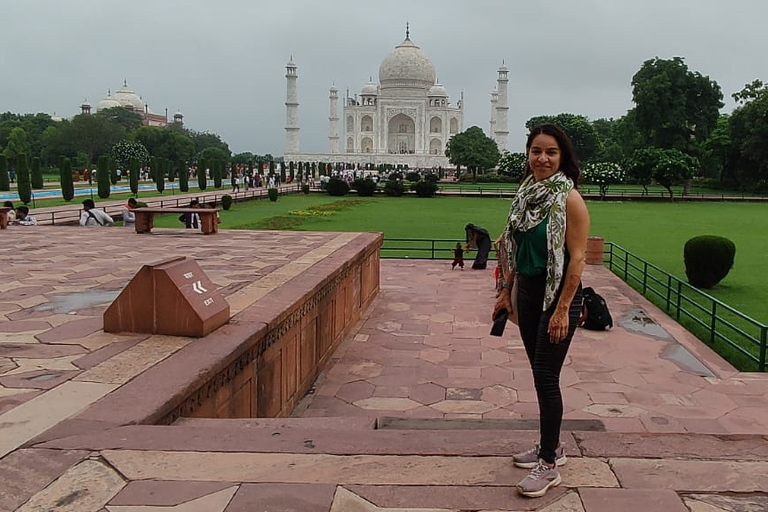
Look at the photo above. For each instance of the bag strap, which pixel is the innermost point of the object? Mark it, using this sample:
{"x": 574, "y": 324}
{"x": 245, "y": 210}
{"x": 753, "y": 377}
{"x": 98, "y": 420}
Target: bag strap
{"x": 91, "y": 215}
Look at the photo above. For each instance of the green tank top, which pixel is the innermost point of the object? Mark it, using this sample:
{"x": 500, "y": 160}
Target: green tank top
{"x": 532, "y": 250}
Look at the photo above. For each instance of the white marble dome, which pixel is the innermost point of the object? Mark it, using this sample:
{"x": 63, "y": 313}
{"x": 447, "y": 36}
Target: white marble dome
{"x": 108, "y": 102}
{"x": 370, "y": 89}
{"x": 407, "y": 66}
{"x": 438, "y": 90}
{"x": 128, "y": 98}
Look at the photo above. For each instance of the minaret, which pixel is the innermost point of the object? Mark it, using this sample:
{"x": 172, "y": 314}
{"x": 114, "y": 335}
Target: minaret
{"x": 494, "y": 100}
{"x": 291, "y": 110}
{"x": 502, "y": 109}
{"x": 333, "y": 134}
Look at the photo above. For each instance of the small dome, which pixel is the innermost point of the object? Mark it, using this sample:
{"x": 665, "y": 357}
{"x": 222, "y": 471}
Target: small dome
{"x": 407, "y": 66}
{"x": 108, "y": 102}
{"x": 438, "y": 90}
{"x": 370, "y": 89}
{"x": 55, "y": 118}
{"x": 128, "y": 98}
{"x": 85, "y": 104}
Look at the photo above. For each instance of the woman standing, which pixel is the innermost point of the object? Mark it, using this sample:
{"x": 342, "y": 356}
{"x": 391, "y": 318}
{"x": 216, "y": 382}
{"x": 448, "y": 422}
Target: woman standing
{"x": 546, "y": 240}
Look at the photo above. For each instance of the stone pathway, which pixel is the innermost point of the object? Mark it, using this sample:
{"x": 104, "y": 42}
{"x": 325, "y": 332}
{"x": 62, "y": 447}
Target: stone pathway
{"x": 420, "y": 409}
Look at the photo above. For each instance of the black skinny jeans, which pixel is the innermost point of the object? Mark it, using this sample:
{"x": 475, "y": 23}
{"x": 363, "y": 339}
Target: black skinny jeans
{"x": 546, "y": 358}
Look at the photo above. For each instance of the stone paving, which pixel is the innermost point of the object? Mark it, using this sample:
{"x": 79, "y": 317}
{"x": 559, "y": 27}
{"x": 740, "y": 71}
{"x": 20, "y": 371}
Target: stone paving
{"x": 420, "y": 409}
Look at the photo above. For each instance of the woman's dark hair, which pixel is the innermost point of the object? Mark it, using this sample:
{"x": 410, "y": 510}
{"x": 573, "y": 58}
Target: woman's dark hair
{"x": 569, "y": 164}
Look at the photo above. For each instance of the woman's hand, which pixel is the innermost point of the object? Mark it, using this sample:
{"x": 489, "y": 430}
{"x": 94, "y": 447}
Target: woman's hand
{"x": 558, "y": 326}
{"x": 503, "y": 301}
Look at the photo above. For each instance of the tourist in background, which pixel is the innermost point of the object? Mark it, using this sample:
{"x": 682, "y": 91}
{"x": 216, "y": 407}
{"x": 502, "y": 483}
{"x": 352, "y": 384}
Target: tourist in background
{"x": 23, "y": 218}
{"x": 546, "y": 238}
{"x": 129, "y": 218}
{"x": 92, "y": 216}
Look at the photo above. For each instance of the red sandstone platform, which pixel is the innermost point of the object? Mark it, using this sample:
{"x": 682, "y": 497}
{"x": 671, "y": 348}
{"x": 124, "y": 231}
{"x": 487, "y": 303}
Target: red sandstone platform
{"x": 418, "y": 409}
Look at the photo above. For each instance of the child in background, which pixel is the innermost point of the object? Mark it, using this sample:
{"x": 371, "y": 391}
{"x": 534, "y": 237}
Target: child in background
{"x": 458, "y": 256}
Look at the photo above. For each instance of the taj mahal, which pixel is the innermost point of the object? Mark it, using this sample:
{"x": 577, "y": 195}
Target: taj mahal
{"x": 405, "y": 118}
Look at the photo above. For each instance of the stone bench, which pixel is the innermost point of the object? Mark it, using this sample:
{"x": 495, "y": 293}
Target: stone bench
{"x": 209, "y": 218}
{"x": 4, "y": 217}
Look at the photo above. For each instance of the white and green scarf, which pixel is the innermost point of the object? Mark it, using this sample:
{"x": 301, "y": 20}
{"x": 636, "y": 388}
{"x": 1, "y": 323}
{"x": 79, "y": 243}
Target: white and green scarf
{"x": 535, "y": 201}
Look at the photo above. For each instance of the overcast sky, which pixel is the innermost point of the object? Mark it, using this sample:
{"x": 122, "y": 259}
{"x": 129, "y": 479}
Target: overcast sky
{"x": 222, "y": 63}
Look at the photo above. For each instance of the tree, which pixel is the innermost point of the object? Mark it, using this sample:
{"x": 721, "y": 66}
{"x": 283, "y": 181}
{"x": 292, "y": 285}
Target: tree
{"x": 512, "y": 164}
{"x": 126, "y": 149}
{"x": 749, "y": 136}
{"x": 202, "y": 180}
{"x": 22, "y": 178}
{"x": 5, "y": 182}
{"x": 164, "y": 143}
{"x": 93, "y": 135}
{"x": 37, "y": 174}
{"x": 183, "y": 176}
{"x": 65, "y": 177}
{"x": 674, "y": 167}
{"x": 473, "y": 149}
{"x": 204, "y": 140}
{"x": 675, "y": 108}
{"x": 217, "y": 169}
{"x": 134, "y": 166}
{"x": 17, "y": 144}
{"x": 604, "y": 174}
{"x": 717, "y": 149}
{"x": 640, "y": 166}
{"x": 102, "y": 175}
{"x": 160, "y": 175}
{"x": 583, "y": 135}
{"x": 128, "y": 119}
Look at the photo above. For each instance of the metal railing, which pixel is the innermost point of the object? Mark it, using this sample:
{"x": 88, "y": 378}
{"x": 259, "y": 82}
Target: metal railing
{"x": 713, "y": 321}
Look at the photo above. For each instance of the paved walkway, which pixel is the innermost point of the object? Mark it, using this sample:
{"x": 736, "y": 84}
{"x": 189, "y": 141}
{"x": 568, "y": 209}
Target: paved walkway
{"x": 419, "y": 410}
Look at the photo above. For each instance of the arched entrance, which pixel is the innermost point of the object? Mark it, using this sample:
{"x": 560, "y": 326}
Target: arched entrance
{"x": 401, "y": 135}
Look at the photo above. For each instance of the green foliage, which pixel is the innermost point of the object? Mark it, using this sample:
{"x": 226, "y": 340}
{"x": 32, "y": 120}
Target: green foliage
{"x": 272, "y": 193}
{"x": 667, "y": 167}
{"x": 217, "y": 169}
{"x": 512, "y": 164}
{"x": 583, "y": 135}
{"x": 34, "y": 125}
{"x": 17, "y": 144}
{"x": 112, "y": 171}
{"x": 337, "y": 187}
{"x": 305, "y": 188}
{"x": 394, "y": 188}
{"x": 473, "y": 150}
{"x": 183, "y": 176}
{"x": 412, "y": 176}
{"x": 86, "y": 135}
{"x": 65, "y": 177}
{"x": 424, "y": 188}
{"x": 102, "y": 176}
{"x": 164, "y": 142}
{"x": 604, "y": 174}
{"x": 708, "y": 259}
{"x": 126, "y": 149}
{"x": 365, "y": 187}
{"x": 675, "y": 108}
{"x": 5, "y": 182}
{"x": 226, "y": 201}
{"x": 134, "y": 166}
{"x": 214, "y": 153}
{"x": 202, "y": 180}
{"x": 748, "y": 132}
{"x": 160, "y": 175}
{"x": 37, "y": 174}
{"x": 129, "y": 120}
{"x": 22, "y": 178}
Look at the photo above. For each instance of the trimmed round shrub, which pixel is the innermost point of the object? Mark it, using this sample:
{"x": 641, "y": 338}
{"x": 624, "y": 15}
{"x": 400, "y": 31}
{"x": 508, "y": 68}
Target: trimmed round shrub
{"x": 394, "y": 188}
{"x": 708, "y": 259}
{"x": 425, "y": 188}
{"x": 337, "y": 187}
{"x": 226, "y": 201}
{"x": 365, "y": 187}
{"x": 272, "y": 194}
{"x": 412, "y": 176}
{"x": 305, "y": 188}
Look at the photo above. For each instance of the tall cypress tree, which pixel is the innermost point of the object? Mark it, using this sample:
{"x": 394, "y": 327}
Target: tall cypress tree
{"x": 102, "y": 175}
{"x": 160, "y": 175}
{"x": 202, "y": 180}
{"x": 22, "y": 178}
{"x": 171, "y": 172}
{"x": 65, "y": 177}
{"x": 5, "y": 182}
{"x": 112, "y": 171}
{"x": 183, "y": 176}
{"x": 133, "y": 179}
{"x": 37, "y": 174}
{"x": 217, "y": 170}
